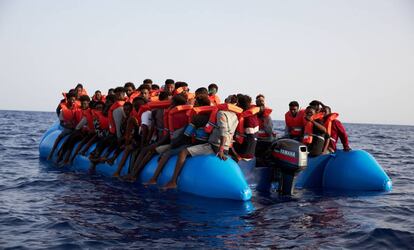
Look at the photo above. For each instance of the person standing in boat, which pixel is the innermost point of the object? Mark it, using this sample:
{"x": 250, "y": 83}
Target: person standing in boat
{"x": 294, "y": 120}
{"x": 335, "y": 130}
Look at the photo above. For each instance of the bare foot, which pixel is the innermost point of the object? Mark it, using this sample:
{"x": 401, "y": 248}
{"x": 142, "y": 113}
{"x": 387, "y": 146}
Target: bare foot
{"x": 110, "y": 161}
{"x": 152, "y": 181}
{"x": 170, "y": 185}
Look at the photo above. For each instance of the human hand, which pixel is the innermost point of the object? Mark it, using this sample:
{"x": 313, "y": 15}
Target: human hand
{"x": 221, "y": 154}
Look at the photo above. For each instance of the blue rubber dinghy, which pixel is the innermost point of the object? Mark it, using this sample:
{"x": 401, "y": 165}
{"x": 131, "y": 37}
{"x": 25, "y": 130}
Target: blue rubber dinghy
{"x": 356, "y": 170}
{"x": 206, "y": 176}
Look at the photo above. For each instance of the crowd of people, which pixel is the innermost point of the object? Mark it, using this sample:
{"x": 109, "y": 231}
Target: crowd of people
{"x": 171, "y": 120}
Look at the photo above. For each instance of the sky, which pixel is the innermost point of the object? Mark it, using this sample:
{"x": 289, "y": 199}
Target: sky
{"x": 356, "y": 56}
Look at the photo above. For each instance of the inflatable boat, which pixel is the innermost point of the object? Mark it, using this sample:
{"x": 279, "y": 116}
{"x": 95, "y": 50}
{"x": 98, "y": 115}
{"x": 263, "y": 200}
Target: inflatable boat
{"x": 209, "y": 176}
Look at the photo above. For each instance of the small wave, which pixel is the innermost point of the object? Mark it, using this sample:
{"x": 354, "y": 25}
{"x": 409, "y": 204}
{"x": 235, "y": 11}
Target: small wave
{"x": 381, "y": 238}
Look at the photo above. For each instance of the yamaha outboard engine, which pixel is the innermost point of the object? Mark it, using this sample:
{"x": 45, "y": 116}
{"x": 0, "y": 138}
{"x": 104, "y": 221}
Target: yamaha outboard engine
{"x": 290, "y": 157}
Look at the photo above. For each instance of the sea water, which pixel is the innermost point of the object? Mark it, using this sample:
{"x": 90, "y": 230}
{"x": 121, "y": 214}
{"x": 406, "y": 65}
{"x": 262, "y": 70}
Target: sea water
{"x": 42, "y": 206}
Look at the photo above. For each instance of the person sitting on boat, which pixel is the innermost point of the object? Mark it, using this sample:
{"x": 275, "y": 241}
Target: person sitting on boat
{"x": 335, "y": 130}
{"x": 100, "y": 122}
{"x": 158, "y": 129}
{"x": 219, "y": 141}
{"x": 177, "y": 121}
{"x": 115, "y": 116}
{"x": 317, "y": 105}
{"x": 80, "y": 90}
{"x": 248, "y": 128}
{"x": 134, "y": 137}
{"x": 314, "y": 132}
{"x": 294, "y": 120}
{"x": 212, "y": 94}
{"x": 169, "y": 87}
{"x": 84, "y": 129}
{"x": 130, "y": 91}
{"x": 66, "y": 112}
{"x": 265, "y": 136}
{"x": 97, "y": 97}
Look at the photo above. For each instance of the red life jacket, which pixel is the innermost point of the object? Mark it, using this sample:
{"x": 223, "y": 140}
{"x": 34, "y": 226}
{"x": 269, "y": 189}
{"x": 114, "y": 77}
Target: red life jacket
{"x": 178, "y": 117}
{"x": 212, "y": 123}
{"x": 214, "y": 99}
{"x": 83, "y": 92}
{"x": 102, "y": 119}
{"x": 134, "y": 94}
{"x": 69, "y": 115}
{"x": 112, "y": 127}
{"x": 307, "y": 137}
{"x": 200, "y": 110}
{"x": 262, "y": 134}
{"x": 240, "y": 131}
{"x": 95, "y": 99}
{"x": 295, "y": 124}
{"x": 138, "y": 115}
{"x": 88, "y": 115}
{"x": 328, "y": 122}
{"x": 160, "y": 104}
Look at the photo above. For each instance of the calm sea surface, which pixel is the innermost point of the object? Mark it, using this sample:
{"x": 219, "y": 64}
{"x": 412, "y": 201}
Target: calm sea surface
{"x": 45, "y": 207}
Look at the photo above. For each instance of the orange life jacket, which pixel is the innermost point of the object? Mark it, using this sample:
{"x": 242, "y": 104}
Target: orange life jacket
{"x": 240, "y": 131}
{"x": 328, "y": 122}
{"x": 214, "y": 99}
{"x": 200, "y": 110}
{"x": 134, "y": 94}
{"x": 112, "y": 127}
{"x": 178, "y": 117}
{"x": 295, "y": 124}
{"x": 83, "y": 92}
{"x": 102, "y": 119}
{"x": 95, "y": 99}
{"x": 160, "y": 104}
{"x": 262, "y": 134}
{"x": 69, "y": 115}
{"x": 87, "y": 113}
{"x": 138, "y": 114}
{"x": 307, "y": 137}
{"x": 212, "y": 123}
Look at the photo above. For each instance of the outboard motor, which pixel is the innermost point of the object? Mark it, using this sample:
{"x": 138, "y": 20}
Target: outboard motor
{"x": 290, "y": 157}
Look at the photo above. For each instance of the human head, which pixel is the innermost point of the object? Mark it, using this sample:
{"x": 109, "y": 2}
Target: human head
{"x": 178, "y": 100}
{"x": 145, "y": 91}
{"x": 317, "y": 105}
{"x": 147, "y": 82}
{"x": 201, "y": 91}
{"x": 99, "y": 106}
{"x": 244, "y": 102}
{"x": 98, "y": 95}
{"x": 163, "y": 96}
{"x": 212, "y": 89}
{"x": 310, "y": 111}
{"x": 182, "y": 85}
{"x": 111, "y": 91}
{"x": 293, "y": 107}
{"x": 119, "y": 93}
{"x": 202, "y": 100}
{"x": 79, "y": 88}
{"x": 327, "y": 110}
{"x": 231, "y": 99}
{"x": 169, "y": 86}
{"x": 70, "y": 99}
{"x": 127, "y": 108}
{"x": 155, "y": 87}
{"x": 129, "y": 88}
{"x": 84, "y": 101}
{"x": 138, "y": 102}
{"x": 260, "y": 100}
